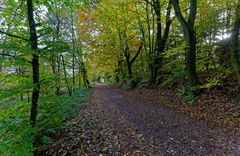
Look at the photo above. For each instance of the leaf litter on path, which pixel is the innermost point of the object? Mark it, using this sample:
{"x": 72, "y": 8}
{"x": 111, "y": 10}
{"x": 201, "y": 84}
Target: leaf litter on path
{"x": 117, "y": 122}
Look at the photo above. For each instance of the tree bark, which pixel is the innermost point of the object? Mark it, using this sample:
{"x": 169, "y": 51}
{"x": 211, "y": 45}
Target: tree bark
{"x": 84, "y": 74}
{"x": 234, "y": 43}
{"x": 73, "y": 55}
{"x": 190, "y": 37}
{"x": 157, "y": 57}
{"x": 129, "y": 67}
{"x": 161, "y": 39}
{"x": 82, "y": 68}
{"x": 65, "y": 76}
{"x": 55, "y": 72}
{"x": 130, "y": 62}
{"x": 35, "y": 63}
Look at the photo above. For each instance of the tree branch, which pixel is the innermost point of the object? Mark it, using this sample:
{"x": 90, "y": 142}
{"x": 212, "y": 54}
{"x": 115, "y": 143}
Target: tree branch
{"x": 3, "y": 54}
{"x": 167, "y": 26}
{"x": 138, "y": 52}
{"x": 179, "y": 15}
{"x": 149, "y": 2}
{"x": 15, "y": 12}
{"x": 15, "y": 36}
{"x": 193, "y": 12}
{"x": 15, "y": 57}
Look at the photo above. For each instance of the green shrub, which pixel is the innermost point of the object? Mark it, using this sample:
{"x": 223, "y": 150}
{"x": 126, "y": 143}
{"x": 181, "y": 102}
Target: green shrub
{"x": 188, "y": 95}
{"x": 126, "y": 85}
{"x": 16, "y": 133}
{"x": 54, "y": 111}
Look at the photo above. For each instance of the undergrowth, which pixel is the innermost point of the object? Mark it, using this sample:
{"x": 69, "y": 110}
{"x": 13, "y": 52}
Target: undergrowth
{"x": 16, "y": 134}
{"x": 188, "y": 95}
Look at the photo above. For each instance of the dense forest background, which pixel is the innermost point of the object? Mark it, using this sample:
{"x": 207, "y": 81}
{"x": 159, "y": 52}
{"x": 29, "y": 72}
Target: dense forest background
{"x": 52, "y": 51}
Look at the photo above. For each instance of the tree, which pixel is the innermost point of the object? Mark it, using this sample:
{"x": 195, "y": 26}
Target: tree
{"x": 161, "y": 39}
{"x": 35, "y": 59}
{"x": 190, "y": 37}
{"x": 234, "y": 43}
{"x": 35, "y": 62}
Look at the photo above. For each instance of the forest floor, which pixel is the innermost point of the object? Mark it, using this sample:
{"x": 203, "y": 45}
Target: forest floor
{"x": 147, "y": 122}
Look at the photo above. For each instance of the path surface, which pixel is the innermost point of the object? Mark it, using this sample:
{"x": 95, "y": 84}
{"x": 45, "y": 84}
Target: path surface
{"x": 116, "y": 124}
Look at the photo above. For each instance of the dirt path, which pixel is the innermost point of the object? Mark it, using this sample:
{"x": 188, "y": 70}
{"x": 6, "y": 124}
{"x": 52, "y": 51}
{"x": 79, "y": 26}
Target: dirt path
{"x": 116, "y": 124}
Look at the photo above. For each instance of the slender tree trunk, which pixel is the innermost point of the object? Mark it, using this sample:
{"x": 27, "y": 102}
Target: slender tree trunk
{"x": 58, "y": 57}
{"x": 234, "y": 43}
{"x": 161, "y": 39}
{"x": 58, "y": 88}
{"x": 20, "y": 72}
{"x": 35, "y": 63}
{"x": 152, "y": 45}
{"x": 130, "y": 62}
{"x": 65, "y": 77}
{"x": 73, "y": 45}
{"x": 84, "y": 74}
{"x": 79, "y": 77}
{"x": 143, "y": 41}
{"x": 73, "y": 70}
{"x": 149, "y": 41}
{"x": 82, "y": 68}
{"x": 157, "y": 57}
{"x": 55, "y": 72}
{"x": 129, "y": 65}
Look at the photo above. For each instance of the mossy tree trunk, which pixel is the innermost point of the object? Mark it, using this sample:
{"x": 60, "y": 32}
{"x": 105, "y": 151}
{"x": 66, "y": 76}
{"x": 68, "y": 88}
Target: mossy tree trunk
{"x": 234, "y": 43}
{"x": 190, "y": 37}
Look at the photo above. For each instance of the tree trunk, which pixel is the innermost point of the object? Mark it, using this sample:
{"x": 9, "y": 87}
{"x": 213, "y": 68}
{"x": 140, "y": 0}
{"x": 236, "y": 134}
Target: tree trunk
{"x": 157, "y": 56}
{"x": 152, "y": 55}
{"x": 129, "y": 67}
{"x": 191, "y": 59}
{"x": 65, "y": 77}
{"x": 55, "y": 72}
{"x": 190, "y": 37}
{"x": 58, "y": 88}
{"x": 73, "y": 70}
{"x": 73, "y": 55}
{"x": 149, "y": 54}
{"x": 84, "y": 75}
{"x": 35, "y": 63}
{"x": 79, "y": 77}
{"x": 58, "y": 57}
{"x": 234, "y": 44}
{"x": 160, "y": 40}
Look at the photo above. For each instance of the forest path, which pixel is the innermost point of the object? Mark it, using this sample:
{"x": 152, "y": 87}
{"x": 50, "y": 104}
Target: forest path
{"x": 116, "y": 123}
